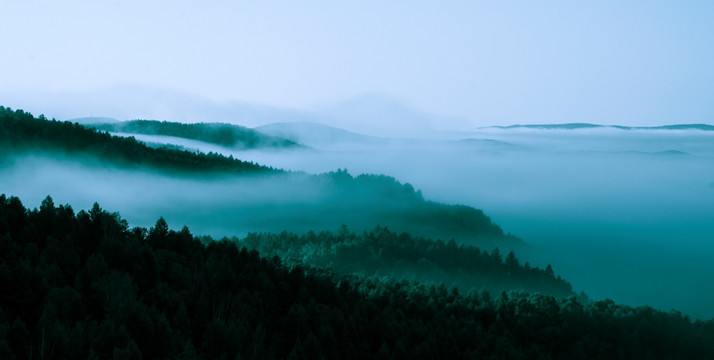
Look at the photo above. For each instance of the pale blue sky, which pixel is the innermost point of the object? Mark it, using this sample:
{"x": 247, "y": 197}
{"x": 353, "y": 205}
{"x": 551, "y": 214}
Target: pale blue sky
{"x": 489, "y": 62}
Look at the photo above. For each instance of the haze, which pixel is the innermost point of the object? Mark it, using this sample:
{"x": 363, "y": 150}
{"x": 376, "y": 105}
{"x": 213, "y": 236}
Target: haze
{"x": 621, "y": 214}
{"x": 474, "y": 62}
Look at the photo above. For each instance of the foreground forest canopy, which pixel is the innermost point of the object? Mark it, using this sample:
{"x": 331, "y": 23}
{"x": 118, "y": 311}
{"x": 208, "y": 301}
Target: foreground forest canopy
{"x": 87, "y": 286}
{"x": 228, "y": 135}
{"x": 305, "y": 202}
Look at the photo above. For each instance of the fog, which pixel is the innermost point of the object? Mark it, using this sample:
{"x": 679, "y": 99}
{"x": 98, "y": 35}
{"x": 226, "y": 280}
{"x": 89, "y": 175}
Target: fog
{"x": 499, "y": 63}
{"x": 370, "y": 113}
{"x": 142, "y": 197}
{"x": 622, "y": 214}
{"x": 221, "y": 204}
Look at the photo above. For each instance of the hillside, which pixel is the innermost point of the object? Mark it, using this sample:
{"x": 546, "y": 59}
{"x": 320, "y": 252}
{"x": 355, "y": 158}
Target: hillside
{"x": 93, "y": 120}
{"x": 228, "y": 135}
{"x": 381, "y": 252}
{"x": 22, "y": 132}
{"x": 569, "y": 126}
{"x": 246, "y": 202}
{"x": 575, "y": 126}
{"x": 86, "y": 285}
{"x": 315, "y": 134}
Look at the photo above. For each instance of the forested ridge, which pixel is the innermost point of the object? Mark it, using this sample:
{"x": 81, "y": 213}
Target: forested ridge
{"x": 87, "y": 286}
{"x": 381, "y": 252}
{"x": 221, "y": 134}
{"x": 339, "y": 198}
{"x": 21, "y": 131}
{"x": 378, "y": 199}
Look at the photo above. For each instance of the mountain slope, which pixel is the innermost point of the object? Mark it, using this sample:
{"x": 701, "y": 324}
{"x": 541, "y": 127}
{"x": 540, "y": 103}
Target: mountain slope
{"x": 221, "y": 134}
{"x": 381, "y": 115}
{"x": 84, "y": 285}
{"x": 381, "y": 252}
{"x": 575, "y": 126}
{"x": 314, "y": 134}
{"x": 218, "y": 192}
{"x": 90, "y": 120}
{"x": 20, "y": 131}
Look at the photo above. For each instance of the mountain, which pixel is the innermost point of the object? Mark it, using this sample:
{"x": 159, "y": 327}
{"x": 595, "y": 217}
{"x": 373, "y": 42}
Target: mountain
{"x": 251, "y": 196}
{"x": 569, "y": 126}
{"x": 382, "y": 252}
{"x": 228, "y": 135}
{"x": 84, "y": 285}
{"x": 314, "y": 134}
{"x": 704, "y": 127}
{"x": 575, "y": 126}
{"x": 94, "y": 120}
{"x": 147, "y": 102}
{"x": 21, "y": 132}
{"x": 371, "y": 114}
{"x": 384, "y": 116}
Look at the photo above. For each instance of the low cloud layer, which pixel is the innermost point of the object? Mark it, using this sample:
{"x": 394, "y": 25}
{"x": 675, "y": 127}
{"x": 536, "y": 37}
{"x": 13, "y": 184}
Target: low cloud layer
{"x": 622, "y": 214}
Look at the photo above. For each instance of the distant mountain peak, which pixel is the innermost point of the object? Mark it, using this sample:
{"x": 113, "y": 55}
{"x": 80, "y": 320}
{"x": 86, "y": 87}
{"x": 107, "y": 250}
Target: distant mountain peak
{"x": 372, "y": 102}
{"x": 309, "y": 133}
{"x": 384, "y": 115}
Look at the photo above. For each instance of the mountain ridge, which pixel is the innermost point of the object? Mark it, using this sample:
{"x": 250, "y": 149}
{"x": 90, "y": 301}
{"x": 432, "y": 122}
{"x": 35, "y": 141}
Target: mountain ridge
{"x": 303, "y": 200}
{"x": 311, "y": 133}
{"x": 224, "y": 134}
{"x": 577, "y": 126}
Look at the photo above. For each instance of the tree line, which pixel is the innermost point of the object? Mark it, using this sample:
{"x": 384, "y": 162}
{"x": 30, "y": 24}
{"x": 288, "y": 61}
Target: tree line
{"x": 365, "y": 199}
{"x": 381, "y": 252}
{"x": 221, "y": 134}
{"x": 85, "y": 285}
{"x": 21, "y": 131}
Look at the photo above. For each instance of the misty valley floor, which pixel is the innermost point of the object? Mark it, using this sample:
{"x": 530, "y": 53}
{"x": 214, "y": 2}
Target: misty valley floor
{"x": 609, "y": 207}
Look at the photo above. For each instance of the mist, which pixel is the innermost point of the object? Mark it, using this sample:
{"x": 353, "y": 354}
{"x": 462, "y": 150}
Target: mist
{"x": 370, "y": 113}
{"x": 342, "y": 158}
{"x": 227, "y": 205}
{"x": 622, "y": 214}
{"x": 142, "y": 196}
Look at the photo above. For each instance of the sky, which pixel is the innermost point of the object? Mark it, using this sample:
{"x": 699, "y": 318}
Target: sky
{"x": 484, "y": 62}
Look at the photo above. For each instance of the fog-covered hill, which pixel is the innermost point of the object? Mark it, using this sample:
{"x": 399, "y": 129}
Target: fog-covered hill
{"x": 609, "y": 207}
{"x": 215, "y": 193}
{"x": 228, "y": 135}
{"x": 315, "y": 134}
{"x": 589, "y": 201}
{"x": 92, "y": 120}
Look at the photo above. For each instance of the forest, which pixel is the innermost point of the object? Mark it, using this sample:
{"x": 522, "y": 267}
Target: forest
{"x": 21, "y": 131}
{"x": 233, "y": 180}
{"x": 306, "y": 201}
{"x": 384, "y": 253}
{"x": 85, "y": 285}
{"x": 228, "y": 135}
